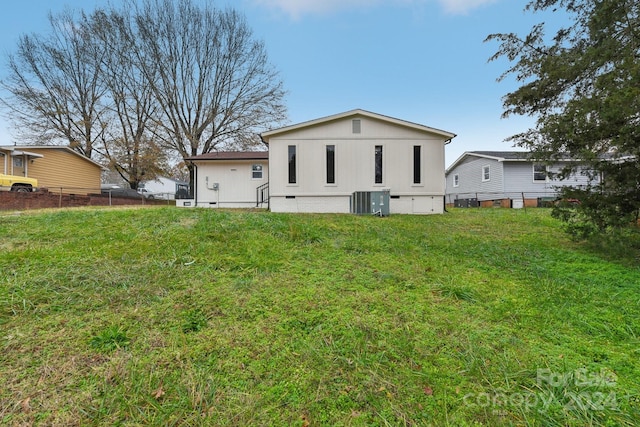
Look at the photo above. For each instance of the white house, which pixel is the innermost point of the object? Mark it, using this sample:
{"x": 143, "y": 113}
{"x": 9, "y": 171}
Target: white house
{"x": 505, "y": 178}
{"x": 165, "y": 188}
{"x": 230, "y": 180}
{"x": 357, "y": 161}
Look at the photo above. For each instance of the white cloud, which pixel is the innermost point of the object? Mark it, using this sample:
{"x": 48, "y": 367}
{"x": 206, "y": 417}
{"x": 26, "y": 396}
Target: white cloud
{"x": 299, "y": 8}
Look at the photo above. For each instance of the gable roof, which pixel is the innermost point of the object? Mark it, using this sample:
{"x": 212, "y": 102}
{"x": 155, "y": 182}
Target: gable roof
{"x": 358, "y": 112}
{"x": 232, "y": 155}
{"x": 503, "y": 155}
{"x": 526, "y": 156}
{"x": 500, "y": 156}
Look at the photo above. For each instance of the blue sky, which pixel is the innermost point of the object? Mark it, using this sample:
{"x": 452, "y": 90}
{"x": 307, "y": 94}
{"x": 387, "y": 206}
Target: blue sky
{"x": 418, "y": 60}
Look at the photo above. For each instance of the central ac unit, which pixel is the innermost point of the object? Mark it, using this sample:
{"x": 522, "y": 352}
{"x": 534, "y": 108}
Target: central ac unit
{"x": 370, "y": 203}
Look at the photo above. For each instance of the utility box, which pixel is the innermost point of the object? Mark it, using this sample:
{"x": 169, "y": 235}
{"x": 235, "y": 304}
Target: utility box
{"x": 370, "y": 202}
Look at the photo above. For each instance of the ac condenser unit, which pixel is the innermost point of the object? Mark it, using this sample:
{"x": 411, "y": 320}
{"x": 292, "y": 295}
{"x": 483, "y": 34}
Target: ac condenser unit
{"x": 370, "y": 203}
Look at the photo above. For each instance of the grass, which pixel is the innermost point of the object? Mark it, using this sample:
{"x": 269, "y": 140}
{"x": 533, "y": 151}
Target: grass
{"x": 165, "y": 316}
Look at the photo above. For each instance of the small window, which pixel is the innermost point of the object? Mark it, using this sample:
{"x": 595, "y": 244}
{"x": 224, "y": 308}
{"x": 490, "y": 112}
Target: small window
{"x": 378, "y": 164}
{"x": 292, "y": 164}
{"x": 539, "y": 172}
{"x": 256, "y": 171}
{"x": 331, "y": 164}
{"x": 417, "y": 168}
{"x": 456, "y": 180}
{"x": 355, "y": 125}
{"x": 17, "y": 162}
{"x": 486, "y": 173}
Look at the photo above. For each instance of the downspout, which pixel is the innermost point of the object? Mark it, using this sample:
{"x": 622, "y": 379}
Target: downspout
{"x": 195, "y": 184}
{"x": 444, "y": 198}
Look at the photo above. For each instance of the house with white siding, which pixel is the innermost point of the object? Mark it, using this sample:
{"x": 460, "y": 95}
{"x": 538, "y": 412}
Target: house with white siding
{"x": 505, "y": 178}
{"x": 357, "y": 161}
{"x": 230, "y": 180}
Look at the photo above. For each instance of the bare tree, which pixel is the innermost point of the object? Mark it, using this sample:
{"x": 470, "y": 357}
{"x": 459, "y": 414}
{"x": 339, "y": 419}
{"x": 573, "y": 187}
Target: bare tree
{"x": 211, "y": 78}
{"x": 144, "y": 83}
{"x": 55, "y": 88}
{"x": 127, "y": 140}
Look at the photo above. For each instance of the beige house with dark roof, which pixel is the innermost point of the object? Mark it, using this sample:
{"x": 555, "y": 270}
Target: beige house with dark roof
{"x": 357, "y": 161}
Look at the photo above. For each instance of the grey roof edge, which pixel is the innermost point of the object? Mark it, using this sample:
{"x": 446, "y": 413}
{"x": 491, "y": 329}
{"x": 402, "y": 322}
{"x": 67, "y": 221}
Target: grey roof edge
{"x": 56, "y": 147}
{"x": 503, "y": 156}
{"x": 266, "y": 135}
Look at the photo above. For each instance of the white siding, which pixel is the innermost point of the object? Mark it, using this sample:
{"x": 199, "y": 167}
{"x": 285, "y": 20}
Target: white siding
{"x": 520, "y": 180}
{"x": 355, "y": 166}
{"x": 470, "y": 180}
{"x": 509, "y": 179}
{"x": 236, "y": 187}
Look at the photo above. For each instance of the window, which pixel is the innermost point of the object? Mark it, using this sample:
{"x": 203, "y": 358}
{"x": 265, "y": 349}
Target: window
{"x": 292, "y": 164}
{"x": 355, "y": 125}
{"x": 331, "y": 164}
{"x": 539, "y": 172}
{"x": 486, "y": 176}
{"x": 17, "y": 162}
{"x": 416, "y": 165}
{"x": 456, "y": 180}
{"x": 378, "y": 164}
{"x": 256, "y": 171}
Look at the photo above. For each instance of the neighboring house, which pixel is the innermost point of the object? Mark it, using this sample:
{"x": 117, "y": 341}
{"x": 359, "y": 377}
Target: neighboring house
{"x": 505, "y": 178}
{"x": 165, "y": 188}
{"x": 230, "y": 180}
{"x": 17, "y": 160}
{"x": 355, "y": 161}
{"x": 14, "y": 170}
{"x": 58, "y": 168}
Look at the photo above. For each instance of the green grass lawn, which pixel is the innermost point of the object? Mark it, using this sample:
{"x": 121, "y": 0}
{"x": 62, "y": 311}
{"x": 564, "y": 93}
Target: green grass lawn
{"x": 169, "y": 316}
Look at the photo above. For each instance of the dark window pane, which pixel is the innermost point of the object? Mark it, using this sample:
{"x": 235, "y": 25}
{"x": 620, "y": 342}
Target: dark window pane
{"x": 378, "y": 164}
{"x": 416, "y": 164}
{"x": 331, "y": 164}
{"x": 539, "y": 172}
{"x": 292, "y": 164}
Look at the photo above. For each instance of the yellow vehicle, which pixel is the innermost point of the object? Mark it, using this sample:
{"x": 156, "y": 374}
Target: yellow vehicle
{"x": 17, "y": 183}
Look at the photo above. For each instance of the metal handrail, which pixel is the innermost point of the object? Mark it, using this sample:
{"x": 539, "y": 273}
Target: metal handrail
{"x": 262, "y": 195}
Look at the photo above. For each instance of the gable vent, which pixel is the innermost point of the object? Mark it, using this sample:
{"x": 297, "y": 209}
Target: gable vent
{"x": 355, "y": 125}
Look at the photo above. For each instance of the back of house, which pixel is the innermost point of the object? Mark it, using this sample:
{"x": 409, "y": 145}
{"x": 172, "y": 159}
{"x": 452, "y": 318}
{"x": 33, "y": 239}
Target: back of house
{"x": 319, "y": 166}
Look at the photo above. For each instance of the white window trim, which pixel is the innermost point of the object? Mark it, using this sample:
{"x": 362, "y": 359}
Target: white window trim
{"x": 546, "y": 175}
{"x": 456, "y": 180}
{"x": 261, "y": 171}
{"x": 488, "y": 167}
